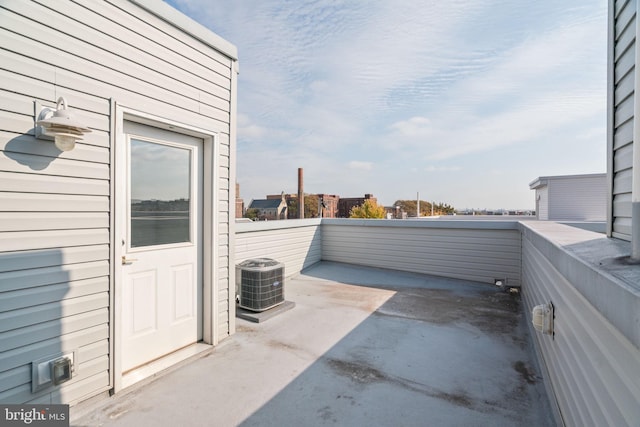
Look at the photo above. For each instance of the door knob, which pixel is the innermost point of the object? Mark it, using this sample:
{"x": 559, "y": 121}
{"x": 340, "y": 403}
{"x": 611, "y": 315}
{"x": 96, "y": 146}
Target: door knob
{"x": 126, "y": 260}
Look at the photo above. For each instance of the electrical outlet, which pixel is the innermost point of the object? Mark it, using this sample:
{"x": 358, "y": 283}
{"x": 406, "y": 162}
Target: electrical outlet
{"x": 42, "y": 369}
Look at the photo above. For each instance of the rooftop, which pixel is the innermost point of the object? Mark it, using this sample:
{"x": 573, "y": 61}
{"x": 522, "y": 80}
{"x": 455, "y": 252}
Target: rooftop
{"x": 363, "y": 346}
{"x": 265, "y": 203}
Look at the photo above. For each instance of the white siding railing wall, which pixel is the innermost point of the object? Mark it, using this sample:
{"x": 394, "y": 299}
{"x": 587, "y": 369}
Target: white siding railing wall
{"x": 296, "y": 242}
{"x": 472, "y": 250}
{"x": 593, "y": 360}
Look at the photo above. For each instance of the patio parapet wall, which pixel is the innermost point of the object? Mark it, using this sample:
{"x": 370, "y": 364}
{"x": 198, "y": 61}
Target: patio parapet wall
{"x": 591, "y": 364}
{"x": 297, "y": 243}
{"x": 480, "y": 251}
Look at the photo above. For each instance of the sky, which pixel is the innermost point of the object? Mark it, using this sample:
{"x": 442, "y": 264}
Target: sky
{"x": 154, "y": 175}
{"x": 464, "y": 101}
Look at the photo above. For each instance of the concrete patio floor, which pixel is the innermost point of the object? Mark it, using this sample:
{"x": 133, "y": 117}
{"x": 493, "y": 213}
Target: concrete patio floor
{"x": 361, "y": 347}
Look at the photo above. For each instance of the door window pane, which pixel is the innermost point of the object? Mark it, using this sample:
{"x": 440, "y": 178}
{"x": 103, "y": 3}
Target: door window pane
{"x": 160, "y": 194}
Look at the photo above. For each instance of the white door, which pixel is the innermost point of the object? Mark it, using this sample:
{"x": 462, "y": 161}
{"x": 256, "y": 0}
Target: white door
{"x": 161, "y": 247}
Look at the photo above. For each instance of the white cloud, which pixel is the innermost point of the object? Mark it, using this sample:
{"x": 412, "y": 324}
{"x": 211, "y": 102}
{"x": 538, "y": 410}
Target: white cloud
{"x": 414, "y": 127}
{"x": 248, "y": 130}
{"x": 431, "y": 82}
{"x": 359, "y": 165}
{"x": 522, "y": 97}
{"x": 432, "y": 168}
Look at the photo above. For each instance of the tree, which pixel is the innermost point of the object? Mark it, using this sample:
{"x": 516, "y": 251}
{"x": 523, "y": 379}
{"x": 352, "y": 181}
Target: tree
{"x": 443, "y": 209}
{"x": 252, "y": 214}
{"x": 310, "y": 206}
{"x": 409, "y": 206}
{"x": 292, "y": 208}
{"x": 369, "y": 209}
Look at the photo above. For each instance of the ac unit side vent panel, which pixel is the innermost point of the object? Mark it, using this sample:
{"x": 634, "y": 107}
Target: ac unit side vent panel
{"x": 261, "y": 284}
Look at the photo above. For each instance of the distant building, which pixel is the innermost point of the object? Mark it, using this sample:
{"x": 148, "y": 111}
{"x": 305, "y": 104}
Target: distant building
{"x": 270, "y": 209}
{"x": 329, "y": 205}
{"x": 571, "y": 197}
{"x": 346, "y": 204}
{"x": 291, "y": 200}
{"x": 395, "y": 212}
{"x": 330, "y": 209}
{"x": 239, "y": 203}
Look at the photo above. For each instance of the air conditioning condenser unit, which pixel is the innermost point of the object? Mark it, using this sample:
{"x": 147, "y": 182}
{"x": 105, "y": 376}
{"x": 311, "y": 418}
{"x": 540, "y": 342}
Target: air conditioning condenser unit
{"x": 260, "y": 284}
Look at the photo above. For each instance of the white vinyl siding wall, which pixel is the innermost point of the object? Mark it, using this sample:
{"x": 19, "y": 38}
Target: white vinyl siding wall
{"x": 296, "y": 243}
{"x": 571, "y": 197}
{"x": 56, "y": 208}
{"x": 592, "y": 366}
{"x": 622, "y": 119}
{"x": 542, "y": 194}
{"x": 577, "y": 198}
{"x": 473, "y": 250}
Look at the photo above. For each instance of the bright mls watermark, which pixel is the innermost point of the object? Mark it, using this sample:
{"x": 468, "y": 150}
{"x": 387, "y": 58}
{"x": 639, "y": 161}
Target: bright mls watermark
{"x": 34, "y": 415}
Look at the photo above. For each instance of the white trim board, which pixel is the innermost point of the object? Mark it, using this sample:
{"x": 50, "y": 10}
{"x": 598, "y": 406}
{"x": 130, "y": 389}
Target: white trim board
{"x": 210, "y": 265}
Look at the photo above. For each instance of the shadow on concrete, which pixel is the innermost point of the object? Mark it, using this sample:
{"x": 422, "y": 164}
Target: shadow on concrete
{"x": 362, "y": 347}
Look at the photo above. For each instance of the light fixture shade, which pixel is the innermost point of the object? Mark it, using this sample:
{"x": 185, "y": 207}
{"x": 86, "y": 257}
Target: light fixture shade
{"x": 542, "y": 318}
{"x": 65, "y": 142}
{"x": 61, "y": 125}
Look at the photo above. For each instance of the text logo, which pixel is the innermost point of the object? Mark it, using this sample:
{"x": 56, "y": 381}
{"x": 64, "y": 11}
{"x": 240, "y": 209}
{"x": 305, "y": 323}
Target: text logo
{"x": 34, "y": 415}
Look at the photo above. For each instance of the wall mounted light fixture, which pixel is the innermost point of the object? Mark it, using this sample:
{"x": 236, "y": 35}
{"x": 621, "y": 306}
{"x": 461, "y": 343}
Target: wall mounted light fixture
{"x": 542, "y": 317}
{"x": 61, "y": 125}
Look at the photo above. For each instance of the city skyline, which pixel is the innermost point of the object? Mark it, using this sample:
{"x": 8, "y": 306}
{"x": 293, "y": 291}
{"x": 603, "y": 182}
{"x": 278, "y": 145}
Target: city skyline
{"x": 465, "y": 103}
